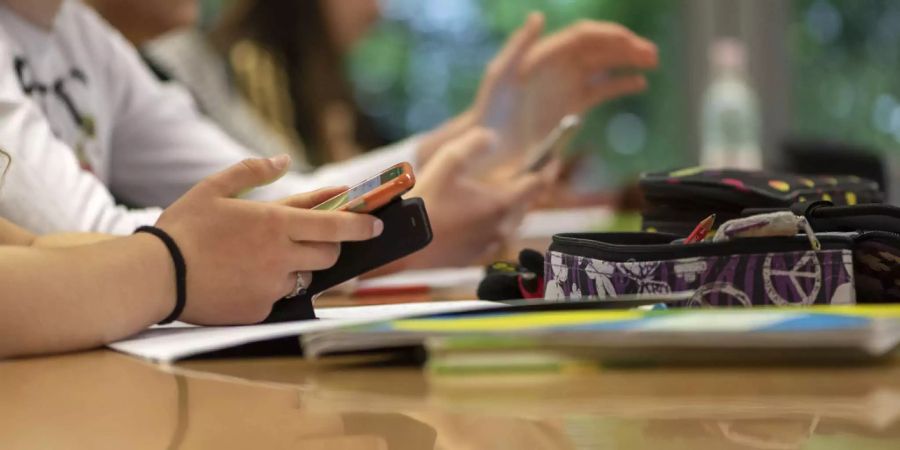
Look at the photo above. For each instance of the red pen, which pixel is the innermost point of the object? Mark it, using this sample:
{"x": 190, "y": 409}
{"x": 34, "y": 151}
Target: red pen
{"x": 411, "y": 289}
{"x": 701, "y": 230}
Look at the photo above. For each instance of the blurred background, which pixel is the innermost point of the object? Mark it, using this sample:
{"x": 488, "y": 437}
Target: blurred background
{"x": 811, "y": 69}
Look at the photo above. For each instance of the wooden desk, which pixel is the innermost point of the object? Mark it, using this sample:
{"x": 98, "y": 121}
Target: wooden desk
{"x": 102, "y": 400}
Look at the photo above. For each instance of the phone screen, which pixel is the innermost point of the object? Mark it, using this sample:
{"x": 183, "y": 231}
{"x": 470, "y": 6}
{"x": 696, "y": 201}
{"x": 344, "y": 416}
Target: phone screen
{"x": 360, "y": 189}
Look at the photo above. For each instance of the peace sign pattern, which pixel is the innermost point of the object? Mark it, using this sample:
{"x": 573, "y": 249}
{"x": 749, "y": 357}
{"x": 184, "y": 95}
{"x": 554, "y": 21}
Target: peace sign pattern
{"x": 787, "y": 278}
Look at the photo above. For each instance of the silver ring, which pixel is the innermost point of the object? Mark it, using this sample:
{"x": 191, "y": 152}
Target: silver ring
{"x": 299, "y": 288}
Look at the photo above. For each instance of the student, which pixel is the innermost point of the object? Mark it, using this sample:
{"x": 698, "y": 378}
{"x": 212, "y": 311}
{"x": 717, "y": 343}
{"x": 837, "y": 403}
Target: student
{"x": 295, "y": 82}
{"x": 74, "y": 291}
{"x": 81, "y": 112}
{"x": 67, "y": 292}
{"x": 271, "y": 71}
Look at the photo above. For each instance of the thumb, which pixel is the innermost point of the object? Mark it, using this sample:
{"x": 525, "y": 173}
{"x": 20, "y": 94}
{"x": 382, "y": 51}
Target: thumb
{"x": 308, "y": 200}
{"x": 459, "y": 156}
{"x": 246, "y": 175}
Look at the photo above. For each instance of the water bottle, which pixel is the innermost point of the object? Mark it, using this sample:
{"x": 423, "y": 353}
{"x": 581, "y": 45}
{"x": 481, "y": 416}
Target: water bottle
{"x": 730, "y": 122}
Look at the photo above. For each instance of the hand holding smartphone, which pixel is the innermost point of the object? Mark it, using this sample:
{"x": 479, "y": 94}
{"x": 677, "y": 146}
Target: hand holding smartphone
{"x": 406, "y": 230}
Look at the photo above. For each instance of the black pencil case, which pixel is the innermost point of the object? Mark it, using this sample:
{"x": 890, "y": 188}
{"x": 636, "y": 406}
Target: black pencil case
{"x": 876, "y": 254}
{"x": 676, "y": 201}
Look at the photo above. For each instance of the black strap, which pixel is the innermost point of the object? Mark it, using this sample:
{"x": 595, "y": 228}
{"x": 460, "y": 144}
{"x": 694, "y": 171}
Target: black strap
{"x": 180, "y": 270}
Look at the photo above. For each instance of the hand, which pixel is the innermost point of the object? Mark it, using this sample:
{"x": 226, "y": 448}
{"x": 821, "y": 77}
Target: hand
{"x": 242, "y": 256}
{"x": 531, "y": 84}
{"x": 470, "y": 217}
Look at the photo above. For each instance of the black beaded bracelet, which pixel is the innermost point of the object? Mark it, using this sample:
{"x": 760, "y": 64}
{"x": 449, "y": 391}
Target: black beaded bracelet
{"x": 180, "y": 270}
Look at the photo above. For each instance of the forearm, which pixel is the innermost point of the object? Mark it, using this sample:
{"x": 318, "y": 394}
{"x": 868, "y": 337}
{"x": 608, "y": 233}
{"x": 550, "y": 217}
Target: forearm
{"x": 58, "y": 240}
{"x": 57, "y": 300}
{"x": 12, "y": 234}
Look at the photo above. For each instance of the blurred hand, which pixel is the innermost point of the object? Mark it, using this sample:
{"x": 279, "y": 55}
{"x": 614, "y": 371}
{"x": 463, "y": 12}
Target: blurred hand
{"x": 243, "y": 256}
{"x": 532, "y": 83}
{"x": 471, "y": 217}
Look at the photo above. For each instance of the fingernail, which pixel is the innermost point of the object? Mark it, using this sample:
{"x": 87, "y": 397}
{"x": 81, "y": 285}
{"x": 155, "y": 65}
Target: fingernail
{"x": 377, "y": 228}
{"x": 281, "y": 161}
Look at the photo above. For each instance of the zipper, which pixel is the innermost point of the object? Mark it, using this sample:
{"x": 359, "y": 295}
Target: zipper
{"x": 877, "y": 235}
{"x": 591, "y": 245}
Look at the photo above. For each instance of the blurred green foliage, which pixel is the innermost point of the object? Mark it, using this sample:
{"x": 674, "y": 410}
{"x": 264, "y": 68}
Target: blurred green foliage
{"x": 447, "y": 44}
{"x": 845, "y": 60}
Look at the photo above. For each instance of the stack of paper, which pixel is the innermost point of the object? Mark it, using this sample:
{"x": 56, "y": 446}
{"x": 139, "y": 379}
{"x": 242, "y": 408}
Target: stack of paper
{"x": 520, "y": 339}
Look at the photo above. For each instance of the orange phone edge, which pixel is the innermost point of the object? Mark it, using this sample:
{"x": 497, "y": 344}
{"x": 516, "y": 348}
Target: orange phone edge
{"x": 383, "y": 193}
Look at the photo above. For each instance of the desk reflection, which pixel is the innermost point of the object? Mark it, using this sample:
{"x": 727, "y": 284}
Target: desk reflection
{"x": 105, "y": 400}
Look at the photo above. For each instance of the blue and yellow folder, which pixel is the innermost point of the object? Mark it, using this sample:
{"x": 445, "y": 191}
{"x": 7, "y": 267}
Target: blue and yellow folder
{"x": 524, "y": 340}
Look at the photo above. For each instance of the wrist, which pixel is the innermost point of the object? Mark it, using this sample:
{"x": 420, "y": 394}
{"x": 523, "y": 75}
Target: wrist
{"x": 180, "y": 269}
{"x": 158, "y": 270}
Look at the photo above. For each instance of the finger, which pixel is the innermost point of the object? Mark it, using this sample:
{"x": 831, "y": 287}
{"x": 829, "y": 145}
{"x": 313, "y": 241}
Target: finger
{"x": 552, "y": 171}
{"x": 523, "y": 190}
{"x": 459, "y": 157}
{"x": 310, "y": 256}
{"x": 332, "y": 226}
{"x": 290, "y": 283}
{"x": 633, "y": 56}
{"x": 309, "y": 200}
{"x": 517, "y": 46}
{"x": 610, "y": 89}
{"x": 246, "y": 175}
{"x": 603, "y": 48}
{"x": 599, "y": 44}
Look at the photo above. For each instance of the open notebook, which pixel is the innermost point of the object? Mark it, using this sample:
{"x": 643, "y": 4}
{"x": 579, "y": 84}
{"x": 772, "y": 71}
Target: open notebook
{"x": 179, "y": 341}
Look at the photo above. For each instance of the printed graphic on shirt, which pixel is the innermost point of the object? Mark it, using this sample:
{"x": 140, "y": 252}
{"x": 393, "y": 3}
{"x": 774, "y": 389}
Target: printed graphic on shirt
{"x": 4, "y": 165}
{"x": 63, "y": 102}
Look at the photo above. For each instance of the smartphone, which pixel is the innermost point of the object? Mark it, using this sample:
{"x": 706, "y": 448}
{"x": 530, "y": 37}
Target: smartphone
{"x": 406, "y": 231}
{"x": 553, "y": 145}
{"x": 373, "y": 193}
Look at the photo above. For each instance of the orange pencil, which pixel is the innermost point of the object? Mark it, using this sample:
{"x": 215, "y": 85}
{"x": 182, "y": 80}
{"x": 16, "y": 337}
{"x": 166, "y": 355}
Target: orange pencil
{"x": 702, "y": 229}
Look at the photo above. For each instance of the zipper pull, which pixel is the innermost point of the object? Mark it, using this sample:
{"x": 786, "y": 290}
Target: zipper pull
{"x": 810, "y": 234}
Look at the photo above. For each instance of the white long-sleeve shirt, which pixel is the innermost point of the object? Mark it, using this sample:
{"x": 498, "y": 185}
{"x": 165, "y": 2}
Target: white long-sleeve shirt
{"x": 86, "y": 123}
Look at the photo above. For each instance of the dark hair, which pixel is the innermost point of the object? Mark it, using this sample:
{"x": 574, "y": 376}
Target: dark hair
{"x": 298, "y": 34}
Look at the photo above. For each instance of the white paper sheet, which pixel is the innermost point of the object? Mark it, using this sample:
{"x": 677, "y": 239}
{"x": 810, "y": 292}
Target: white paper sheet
{"x": 433, "y": 278}
{"x": 166, "y": 344}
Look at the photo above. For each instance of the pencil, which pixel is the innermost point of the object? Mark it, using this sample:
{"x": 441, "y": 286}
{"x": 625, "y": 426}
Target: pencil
{"x": 702, "y": 229}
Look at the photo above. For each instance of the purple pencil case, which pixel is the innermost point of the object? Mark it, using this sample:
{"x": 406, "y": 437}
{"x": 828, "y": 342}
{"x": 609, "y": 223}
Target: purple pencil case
{"x": 745, "y": 272}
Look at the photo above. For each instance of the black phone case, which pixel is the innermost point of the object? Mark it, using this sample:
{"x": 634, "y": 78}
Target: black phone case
{"x": 406, "y": 231}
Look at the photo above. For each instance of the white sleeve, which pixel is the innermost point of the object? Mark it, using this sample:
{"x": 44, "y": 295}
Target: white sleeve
{"x": 45, "y": 189}
{"x": 161, "y": 145}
